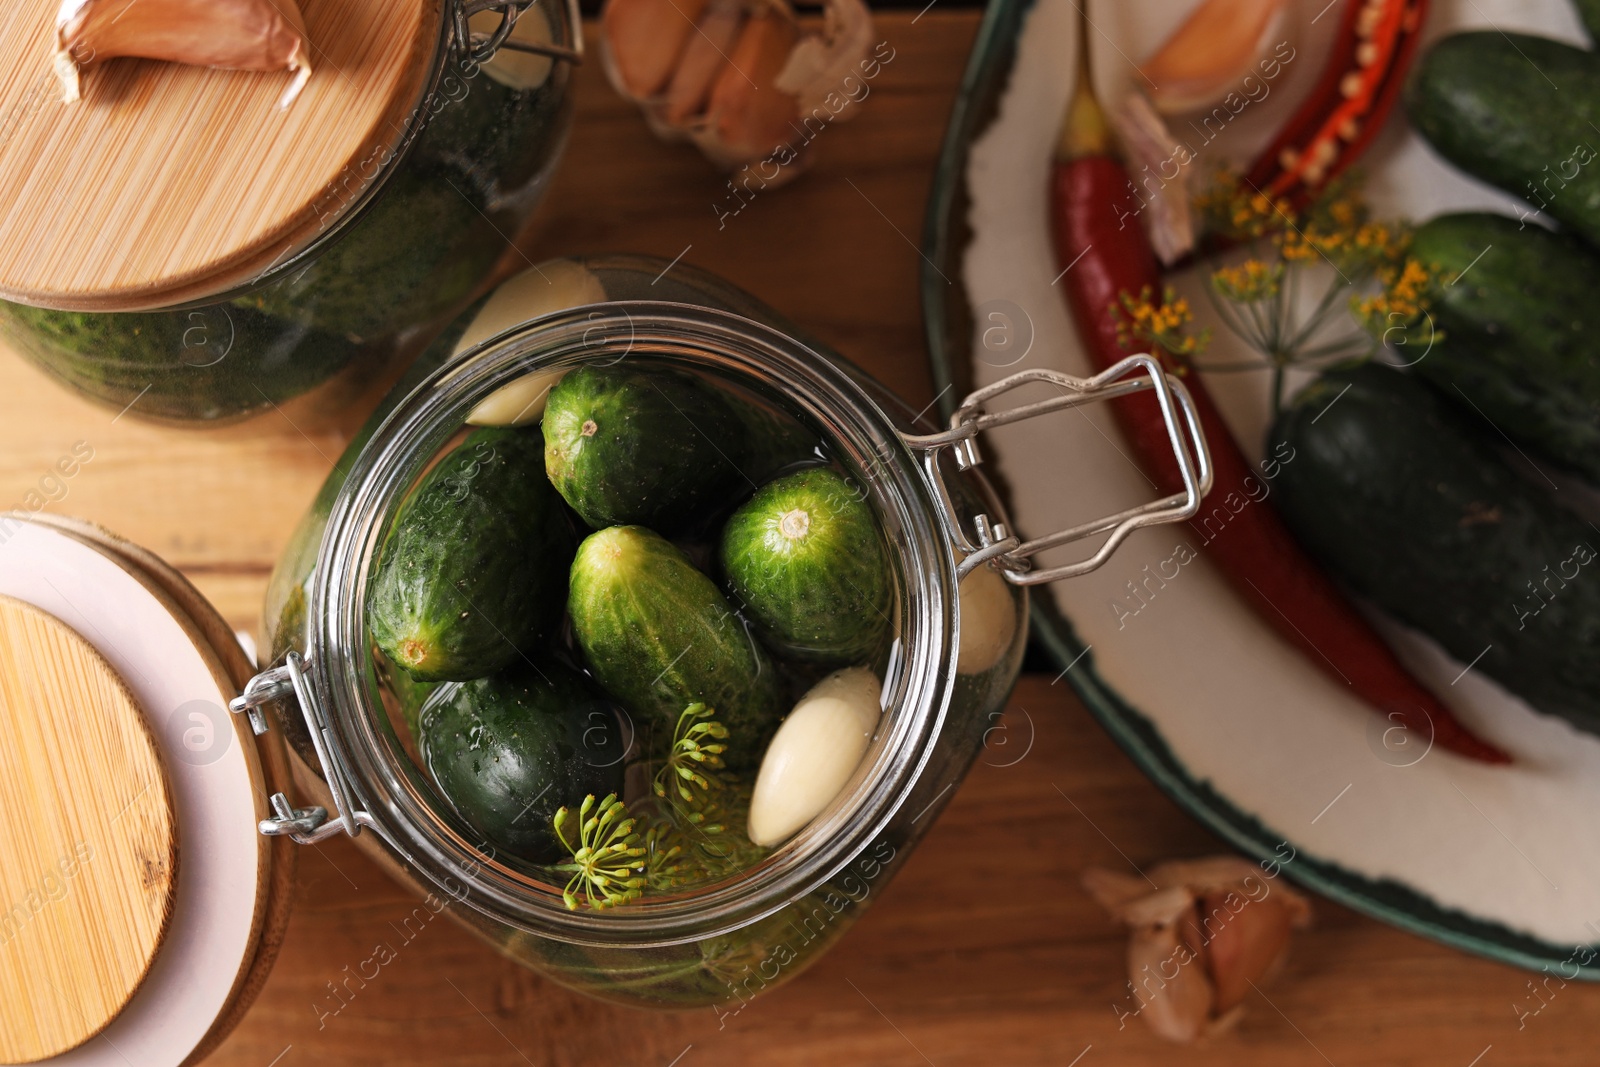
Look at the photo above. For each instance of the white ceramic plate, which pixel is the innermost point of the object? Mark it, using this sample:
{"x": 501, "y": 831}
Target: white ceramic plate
{"x": 1236, "y": 725}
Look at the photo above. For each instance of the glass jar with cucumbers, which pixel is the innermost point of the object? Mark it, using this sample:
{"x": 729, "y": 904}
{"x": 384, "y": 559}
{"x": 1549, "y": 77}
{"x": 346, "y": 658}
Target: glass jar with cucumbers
{"x": 296, "y": 231}
{"x": 652, "y": 635}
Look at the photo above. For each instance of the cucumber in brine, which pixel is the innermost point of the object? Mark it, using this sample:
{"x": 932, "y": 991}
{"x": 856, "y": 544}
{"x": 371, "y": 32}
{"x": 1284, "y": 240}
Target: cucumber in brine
{"x": 475, "y": 569}
{"x": 630, "y": 445}
{"x": 660, "y": 636}
{"x": 805, "y": 558}
{"x": 510, "y": 749}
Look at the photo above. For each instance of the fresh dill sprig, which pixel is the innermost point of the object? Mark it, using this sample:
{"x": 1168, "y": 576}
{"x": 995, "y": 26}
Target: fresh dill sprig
{"x": 606, "y": 864}
{"x": 692, "y": 770}
{"x": 1257, "y": 298}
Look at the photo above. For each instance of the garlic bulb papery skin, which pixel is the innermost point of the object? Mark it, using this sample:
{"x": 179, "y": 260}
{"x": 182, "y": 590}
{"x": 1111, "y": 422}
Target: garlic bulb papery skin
{"x": 1203, "y": 934}
{"x": 814, "y": 753}
{"x": 1152, "y": 148}
{"x": 231, "y": 34}
{"x": 538, "y": 291}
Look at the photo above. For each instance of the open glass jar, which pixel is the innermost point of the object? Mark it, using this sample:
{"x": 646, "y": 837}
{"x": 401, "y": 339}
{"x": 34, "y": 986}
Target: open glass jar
{"x": 272, "y": 251}
{"x": 959, "y": 606}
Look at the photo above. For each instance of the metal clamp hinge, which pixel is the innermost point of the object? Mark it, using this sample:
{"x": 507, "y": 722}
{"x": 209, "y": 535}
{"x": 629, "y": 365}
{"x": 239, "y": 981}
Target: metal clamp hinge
{"x": 481, "y": 47}
{"x": 992, "y": 541}
{"x": 306, "y": 825}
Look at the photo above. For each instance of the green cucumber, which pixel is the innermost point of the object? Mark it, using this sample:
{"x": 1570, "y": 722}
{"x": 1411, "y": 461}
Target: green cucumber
{"x": 1400, "y": 495}
{"x": 474, "y": 571}
{"x": 1519, "y": 112}
{"x": 774, "y": 442}
{"x": 631, "y": 445}
{"x": 1589, "y": 15}
{"x": 1519, "y": 331}
{"x": 660, "y": 636}
{"x": 510, "y": 749}
{"x": 805, "y": 558}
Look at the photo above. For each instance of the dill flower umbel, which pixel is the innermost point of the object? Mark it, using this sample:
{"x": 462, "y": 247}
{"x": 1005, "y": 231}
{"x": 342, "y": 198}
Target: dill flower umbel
{"x": 1333, "y": 243}
{"x": 1164, "y": 324}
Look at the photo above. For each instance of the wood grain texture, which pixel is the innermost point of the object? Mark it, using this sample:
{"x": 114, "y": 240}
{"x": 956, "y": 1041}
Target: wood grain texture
{"x": 953, "y": 965}
{"x": 87, "y": 874}
{"x": 164, "y": 174}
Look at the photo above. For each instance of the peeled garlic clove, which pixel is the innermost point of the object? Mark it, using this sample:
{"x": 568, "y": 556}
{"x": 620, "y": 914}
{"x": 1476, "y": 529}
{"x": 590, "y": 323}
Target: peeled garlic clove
{"x": 814, "y": 753}
{"x": 643, "y": 39}
{"x": 988, "y": 620}
{"x": 1211, "y": 53}
{"x": 543, "y": 290}
{"x": 232, "y": 34}
{"x": 518, "y": 403}
{"x": 514, "y": 69}
{"x": 748, "y": 116}
{"x": 703, "y": 59}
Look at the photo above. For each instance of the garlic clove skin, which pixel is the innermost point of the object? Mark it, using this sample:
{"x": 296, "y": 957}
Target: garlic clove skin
{"x": 519, "y": 71}
{"x": 820, "y": 63}
{"x": 1207, "y": 57}
{"x": 543, "y": 290}
{"x": 813, "y": 754}
{"x": 1150, "y": 144}
{"x": 1178, "y": 1008}
{"x": 642, "y": 41}
{"x": 988, "y": 620}
{"x": 1248, "y": 947}
{"x": 231, "y": 34}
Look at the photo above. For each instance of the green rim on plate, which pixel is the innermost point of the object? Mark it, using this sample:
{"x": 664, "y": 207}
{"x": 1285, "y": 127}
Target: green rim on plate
{"x": 947, "y": 321}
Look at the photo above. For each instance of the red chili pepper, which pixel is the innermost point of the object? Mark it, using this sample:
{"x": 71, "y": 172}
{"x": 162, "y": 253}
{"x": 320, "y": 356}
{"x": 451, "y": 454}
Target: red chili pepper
{"x": 1365, "y": 70}
{"x": 1105, "y": 253}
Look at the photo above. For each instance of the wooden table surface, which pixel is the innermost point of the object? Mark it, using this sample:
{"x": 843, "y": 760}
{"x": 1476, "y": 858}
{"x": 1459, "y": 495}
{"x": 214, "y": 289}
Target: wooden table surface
{"x": 985, "y": 950}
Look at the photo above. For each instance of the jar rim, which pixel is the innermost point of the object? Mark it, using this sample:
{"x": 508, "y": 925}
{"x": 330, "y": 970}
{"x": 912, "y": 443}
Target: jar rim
{"x": 919, "y": 682}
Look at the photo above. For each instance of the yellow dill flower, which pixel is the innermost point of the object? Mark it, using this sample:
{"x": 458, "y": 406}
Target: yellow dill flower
{"x": 1250, "y": 281}
{"x": 1165, "y": 325}
{"x": 1401, "y": 304}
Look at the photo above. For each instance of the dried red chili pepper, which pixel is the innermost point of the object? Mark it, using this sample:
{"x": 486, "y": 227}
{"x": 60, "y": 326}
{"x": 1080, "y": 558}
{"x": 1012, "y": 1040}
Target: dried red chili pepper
{"x": 1105, "y": 253}
{"x": 1366, "y": 67}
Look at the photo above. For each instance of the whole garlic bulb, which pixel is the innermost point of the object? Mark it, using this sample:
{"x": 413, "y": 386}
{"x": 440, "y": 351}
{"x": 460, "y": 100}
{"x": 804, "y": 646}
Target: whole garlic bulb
{"x": 738, "y": 78}
{"x": 1203, "y": 933}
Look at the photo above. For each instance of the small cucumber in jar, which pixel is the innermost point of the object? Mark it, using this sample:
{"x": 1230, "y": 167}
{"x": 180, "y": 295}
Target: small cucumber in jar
{"x": 633, "y": 445}
{"x": 510, "y": 749}
{"x": 805, "y": 557}
{"x": 474, "y": 571}
{"x": 660, "y": 636}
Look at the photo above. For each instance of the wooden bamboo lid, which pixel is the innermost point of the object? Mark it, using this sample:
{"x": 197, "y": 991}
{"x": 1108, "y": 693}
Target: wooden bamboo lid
{"x": 89, "y": 864}
{"x": 181, "y": 664}
{"x": 168, "y": 183}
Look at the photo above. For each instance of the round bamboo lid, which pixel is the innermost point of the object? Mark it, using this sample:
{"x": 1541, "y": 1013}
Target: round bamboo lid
{"x": 87, "y": 873}
{"x": 168, "y": 183}
{"x": 181, "y": 664}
